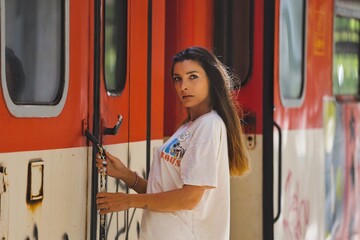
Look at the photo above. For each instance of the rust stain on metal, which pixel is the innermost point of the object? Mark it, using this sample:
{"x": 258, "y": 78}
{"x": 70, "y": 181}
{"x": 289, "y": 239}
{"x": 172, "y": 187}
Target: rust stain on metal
{"x": 35, "y": 182}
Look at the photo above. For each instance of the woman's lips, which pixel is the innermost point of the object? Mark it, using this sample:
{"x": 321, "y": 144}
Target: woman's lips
{"x": 187, "y": 96}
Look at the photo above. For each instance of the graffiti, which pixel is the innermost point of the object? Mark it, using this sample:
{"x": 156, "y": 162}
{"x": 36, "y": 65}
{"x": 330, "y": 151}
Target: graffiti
{"x": 342, "y": 176}
{"x": 118, "y": 224}
{"x": 296, "y": 210}
{"x": 122, "y": 228}
{"x": 35, "y": 234}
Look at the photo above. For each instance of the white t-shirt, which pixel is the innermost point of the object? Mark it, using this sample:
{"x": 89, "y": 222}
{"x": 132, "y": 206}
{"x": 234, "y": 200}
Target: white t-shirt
{"x": 195, "y": 155}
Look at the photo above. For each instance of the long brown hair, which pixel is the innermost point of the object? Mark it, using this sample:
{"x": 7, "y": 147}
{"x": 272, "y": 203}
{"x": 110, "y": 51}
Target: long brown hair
{"x": 222, "y": 101}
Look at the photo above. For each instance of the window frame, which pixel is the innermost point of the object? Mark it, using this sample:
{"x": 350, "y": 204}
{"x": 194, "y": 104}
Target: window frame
{"x": 296, "y": 102}
{"x": 36, "y": 110}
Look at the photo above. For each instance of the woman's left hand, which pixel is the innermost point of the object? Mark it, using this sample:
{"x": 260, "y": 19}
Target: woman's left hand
{"x": 112, "y": 202}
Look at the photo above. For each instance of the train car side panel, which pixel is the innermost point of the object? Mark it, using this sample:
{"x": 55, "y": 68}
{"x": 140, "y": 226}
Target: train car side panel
{"x": 43, "y": 156}
{"x": 303, "y": 158}
{"x": 246, "y": 192}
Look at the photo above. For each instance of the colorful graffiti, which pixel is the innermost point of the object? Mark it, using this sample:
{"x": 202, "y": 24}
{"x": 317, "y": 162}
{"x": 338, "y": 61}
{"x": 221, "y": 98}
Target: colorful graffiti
{"x": 342, "y": 132}
{"x": 296, "y": 212}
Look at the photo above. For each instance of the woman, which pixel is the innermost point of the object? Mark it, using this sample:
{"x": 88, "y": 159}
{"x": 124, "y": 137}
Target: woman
{"x": 187, "y": 195}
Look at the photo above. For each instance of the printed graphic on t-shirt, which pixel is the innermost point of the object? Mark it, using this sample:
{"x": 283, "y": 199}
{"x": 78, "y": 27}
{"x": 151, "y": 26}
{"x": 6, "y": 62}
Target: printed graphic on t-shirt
{"x": 174, "y": 151}
{"x": 185, "y": 135}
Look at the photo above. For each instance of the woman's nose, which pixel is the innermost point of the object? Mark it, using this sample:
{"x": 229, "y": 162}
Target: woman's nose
{"x": 184, "y": 85}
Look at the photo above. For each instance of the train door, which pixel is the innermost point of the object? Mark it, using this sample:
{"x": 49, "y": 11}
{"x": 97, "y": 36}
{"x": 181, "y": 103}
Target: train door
{"x": 128, "y": 113}
{"x": 43, "y": 104}
{"x": 302, "y": 90}
{"x": 110, "y": 106}
{"x": 242, "y": 36}
{"x": 244, "y": 39}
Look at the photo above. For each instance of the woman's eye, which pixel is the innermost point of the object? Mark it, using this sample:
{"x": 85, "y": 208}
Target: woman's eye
{"x": 176, "y": 79}
{"x": 193, "y": 76}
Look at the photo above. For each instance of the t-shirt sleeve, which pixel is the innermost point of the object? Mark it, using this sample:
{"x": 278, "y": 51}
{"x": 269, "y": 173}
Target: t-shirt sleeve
{"x": 199, "y": 163}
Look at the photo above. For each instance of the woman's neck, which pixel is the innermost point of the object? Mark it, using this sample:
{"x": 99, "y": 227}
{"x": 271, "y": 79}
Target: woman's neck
{"x": 195, "y": 113}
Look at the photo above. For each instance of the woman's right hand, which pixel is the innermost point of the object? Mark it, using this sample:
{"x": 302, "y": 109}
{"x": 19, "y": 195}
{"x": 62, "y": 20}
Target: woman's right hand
{"x": 114, "y": 166}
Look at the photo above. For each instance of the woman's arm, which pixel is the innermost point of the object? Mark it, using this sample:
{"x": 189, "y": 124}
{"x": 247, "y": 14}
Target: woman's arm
{"x": 134, "y": 181}
{"x": 185, "y": 198}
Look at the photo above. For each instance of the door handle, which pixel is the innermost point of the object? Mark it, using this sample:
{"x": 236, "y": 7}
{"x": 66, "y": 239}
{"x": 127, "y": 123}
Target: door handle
{"x": 115, "y": 129}
{"x": 279, "y": 172}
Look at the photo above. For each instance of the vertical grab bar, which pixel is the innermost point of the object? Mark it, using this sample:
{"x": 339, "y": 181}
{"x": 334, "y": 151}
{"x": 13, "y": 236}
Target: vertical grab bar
{"x": 279, "y": 172}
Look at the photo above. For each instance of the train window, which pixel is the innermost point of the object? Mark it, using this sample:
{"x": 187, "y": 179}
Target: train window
{"x": 115, "y": 45}
{"x": 291, "y": 52}
{"x": 346, "y": 57}
{"x": 233, "y": 36}
{"x": 33, "y": 47}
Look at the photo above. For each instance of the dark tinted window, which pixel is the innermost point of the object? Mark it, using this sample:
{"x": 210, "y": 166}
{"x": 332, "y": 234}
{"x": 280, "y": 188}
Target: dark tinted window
{"x": 115, "y": 45}
{"x": 233, "y": 35}
{"x": 34, "y": 49}
{"x": 291, "y": 51}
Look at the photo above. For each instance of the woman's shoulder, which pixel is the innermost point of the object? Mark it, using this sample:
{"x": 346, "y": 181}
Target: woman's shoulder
{"x": 211, "y": 116}
{"x": 208, "y": 127}
{"x": 209, "y": 120}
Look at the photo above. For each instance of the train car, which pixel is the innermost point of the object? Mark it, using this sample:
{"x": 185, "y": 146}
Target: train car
{"x": 71, "y": 70}
{"x": 316, "y": 144}
{"x": 298, "y": 62}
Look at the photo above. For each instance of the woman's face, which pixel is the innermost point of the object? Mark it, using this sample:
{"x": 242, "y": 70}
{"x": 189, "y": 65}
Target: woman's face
{"x": 192, "y": 86}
